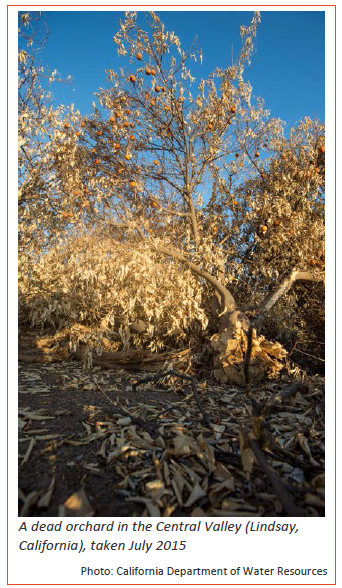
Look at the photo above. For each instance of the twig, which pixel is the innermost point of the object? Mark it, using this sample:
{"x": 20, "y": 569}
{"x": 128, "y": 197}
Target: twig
{"x": 191, "y": 379}
{"x": 260, "y": 408}
{"x": 264, "y": 435}
{"x": 286, "y": 393}
{"x": 247, "y": 359}
{"x": 278, "y": 486}
{"x": 153, "y": 378}
{"x": 173, "y": 409}
{"x": 279, "y": 453}
{"x": 309, "y": 355}
{"x": 198, "y": 402}
{"x": 142, "y": 423}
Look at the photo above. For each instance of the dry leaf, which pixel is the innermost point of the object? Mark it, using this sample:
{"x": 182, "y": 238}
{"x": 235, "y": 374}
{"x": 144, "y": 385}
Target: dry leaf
{"x": 247, "y": 455}
{"x": 124, "y": 421}
{"x": 28, "y": 451}
{"x": 34, "y": 416}
{"x": 113, "y": 455}
{"x": 195, "y": 495}
{"x": 89, "y": 386}
{"x": 44, "y": 501}
{"x": 77, "y": 505}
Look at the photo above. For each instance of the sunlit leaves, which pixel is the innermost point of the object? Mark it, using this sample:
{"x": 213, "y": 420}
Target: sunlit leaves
{"x": 206, "y": 171}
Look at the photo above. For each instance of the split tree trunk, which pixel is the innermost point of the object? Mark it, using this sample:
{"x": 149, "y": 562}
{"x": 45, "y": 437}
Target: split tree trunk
{"x": 231, "y": 344}
{"x": 241, "y": 355}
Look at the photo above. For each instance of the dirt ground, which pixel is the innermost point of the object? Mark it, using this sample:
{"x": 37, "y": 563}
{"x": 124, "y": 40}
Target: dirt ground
{"x": 93, "y": 444}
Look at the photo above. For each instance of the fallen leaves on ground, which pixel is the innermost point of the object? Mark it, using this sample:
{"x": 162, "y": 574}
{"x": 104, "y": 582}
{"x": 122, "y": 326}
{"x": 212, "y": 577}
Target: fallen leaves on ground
{"x": 91, "y": 446}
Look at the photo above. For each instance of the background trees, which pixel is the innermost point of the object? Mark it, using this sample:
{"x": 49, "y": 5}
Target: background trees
{"x": 182, "y": 204}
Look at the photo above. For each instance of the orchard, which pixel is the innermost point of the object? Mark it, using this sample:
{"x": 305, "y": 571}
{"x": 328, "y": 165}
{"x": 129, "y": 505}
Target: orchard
{"x": 178, "y": 224}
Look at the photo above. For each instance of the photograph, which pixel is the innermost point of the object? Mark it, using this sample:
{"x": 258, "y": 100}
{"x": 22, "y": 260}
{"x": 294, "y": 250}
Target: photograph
{"x": 171, "y": 265}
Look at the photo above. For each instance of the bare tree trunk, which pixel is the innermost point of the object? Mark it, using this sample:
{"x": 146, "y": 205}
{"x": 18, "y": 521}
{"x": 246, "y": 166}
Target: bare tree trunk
{"x": 216, "y": 302}
{"x": 187, "y": 195}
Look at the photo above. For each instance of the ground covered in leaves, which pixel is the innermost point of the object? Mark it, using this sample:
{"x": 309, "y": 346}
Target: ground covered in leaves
{"x": 107, "y": 443}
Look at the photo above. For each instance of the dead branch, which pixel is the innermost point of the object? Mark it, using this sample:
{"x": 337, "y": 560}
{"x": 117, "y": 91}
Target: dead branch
{"x": 140, "y": 422}
{"x": 259, "y": 408}
{"x": 134, "y": 359}
{"x": 262, "y": 433}
{"x": 227, "y": 299}
{"x": 295, "y": 276}
{"x": 278, "y": 485}
{"x": 191, "y": 379}
{"x": 279, "y": 453}
{"x": 265, "y": 307}
{"x": 286, "y": 393}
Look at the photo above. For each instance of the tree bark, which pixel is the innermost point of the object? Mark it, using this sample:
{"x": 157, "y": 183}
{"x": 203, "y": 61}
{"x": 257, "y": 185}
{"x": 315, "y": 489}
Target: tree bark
{"x": 285, "y": 286}
{"x": 235, "y": 327}
{"x": 227, "y": 299}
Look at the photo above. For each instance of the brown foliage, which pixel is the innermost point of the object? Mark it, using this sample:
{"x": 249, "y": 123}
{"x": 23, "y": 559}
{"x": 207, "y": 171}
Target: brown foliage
{"x": 111, "y": 288}
{"x": 99, "y": 211}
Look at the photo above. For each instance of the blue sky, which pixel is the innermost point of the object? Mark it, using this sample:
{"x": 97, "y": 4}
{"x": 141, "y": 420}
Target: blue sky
{"x": 287, "y": 69}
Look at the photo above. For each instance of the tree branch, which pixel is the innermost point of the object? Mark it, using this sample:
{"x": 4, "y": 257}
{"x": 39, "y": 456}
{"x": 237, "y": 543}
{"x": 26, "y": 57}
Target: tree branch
{"x": 226, "y": 297}
{"x": 278, "y": 485}
{"x": 285, "y": 286}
